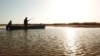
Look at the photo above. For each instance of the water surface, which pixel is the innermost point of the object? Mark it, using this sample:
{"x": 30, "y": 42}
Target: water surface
{"x": 52, "y": 41}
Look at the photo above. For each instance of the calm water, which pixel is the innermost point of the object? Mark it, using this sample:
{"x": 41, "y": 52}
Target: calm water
{"x": 52, "y": 41}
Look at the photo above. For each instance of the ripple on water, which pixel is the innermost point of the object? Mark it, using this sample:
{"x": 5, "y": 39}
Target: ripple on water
{"x": 54, "y": 41}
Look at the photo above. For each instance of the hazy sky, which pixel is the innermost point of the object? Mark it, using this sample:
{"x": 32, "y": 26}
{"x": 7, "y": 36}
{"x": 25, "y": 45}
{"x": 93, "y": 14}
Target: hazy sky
{"x": 50, "y": 11}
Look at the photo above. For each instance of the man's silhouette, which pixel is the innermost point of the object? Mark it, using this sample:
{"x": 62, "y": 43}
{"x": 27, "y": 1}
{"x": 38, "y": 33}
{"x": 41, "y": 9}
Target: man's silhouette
{"x": 25, "y": 22}
{"x": 9, "y": 25}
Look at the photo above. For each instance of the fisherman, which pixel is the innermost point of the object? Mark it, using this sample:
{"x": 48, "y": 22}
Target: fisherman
{"x": 25, "y": 22}
{"x": 9, "y": 24}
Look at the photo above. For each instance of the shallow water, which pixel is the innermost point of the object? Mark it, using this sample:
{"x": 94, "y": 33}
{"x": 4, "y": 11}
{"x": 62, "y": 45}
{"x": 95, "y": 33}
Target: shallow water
{"x": 52, "y": 41}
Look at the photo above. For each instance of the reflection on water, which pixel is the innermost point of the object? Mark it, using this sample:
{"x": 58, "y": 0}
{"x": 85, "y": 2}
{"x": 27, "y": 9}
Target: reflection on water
{"x": 52, "y": 41}
{"x": 71, "y": 37}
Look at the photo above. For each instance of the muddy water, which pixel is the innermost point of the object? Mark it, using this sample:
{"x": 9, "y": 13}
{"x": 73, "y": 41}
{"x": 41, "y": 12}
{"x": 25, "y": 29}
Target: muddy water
{"x": 52, "y": 41}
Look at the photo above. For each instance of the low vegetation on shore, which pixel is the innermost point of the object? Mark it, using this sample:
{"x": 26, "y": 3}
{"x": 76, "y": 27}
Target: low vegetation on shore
{"x": 86, "y": 24}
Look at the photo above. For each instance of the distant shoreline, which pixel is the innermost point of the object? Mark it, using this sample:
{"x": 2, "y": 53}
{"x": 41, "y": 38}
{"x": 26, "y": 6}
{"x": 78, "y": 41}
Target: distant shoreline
{"x": 93, "y": 24}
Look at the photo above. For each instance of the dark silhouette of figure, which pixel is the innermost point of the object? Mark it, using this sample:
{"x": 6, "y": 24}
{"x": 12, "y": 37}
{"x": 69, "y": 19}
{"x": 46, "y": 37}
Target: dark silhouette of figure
{"x": 9, "y": 25}
{"x": 25, "y": 22}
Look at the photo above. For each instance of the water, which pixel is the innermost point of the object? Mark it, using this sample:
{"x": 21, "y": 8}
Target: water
{"x": 52, "y": 41}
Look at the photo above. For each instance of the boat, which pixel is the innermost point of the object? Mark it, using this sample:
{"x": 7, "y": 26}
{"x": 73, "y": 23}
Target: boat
{"x": 17, "y": 27}
{"x": 25, "y": 26}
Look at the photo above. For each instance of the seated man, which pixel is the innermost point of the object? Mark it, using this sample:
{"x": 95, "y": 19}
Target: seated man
{"x": 8, "y": 25}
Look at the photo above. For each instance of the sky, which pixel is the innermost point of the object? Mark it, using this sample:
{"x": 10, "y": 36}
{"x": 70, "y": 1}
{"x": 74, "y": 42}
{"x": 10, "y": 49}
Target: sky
{"x": 49, "y": 11}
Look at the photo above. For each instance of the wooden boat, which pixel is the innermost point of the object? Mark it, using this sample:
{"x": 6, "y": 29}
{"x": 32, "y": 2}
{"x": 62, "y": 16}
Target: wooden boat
{"x": 25, "y": 26}
{"x": 17, "y": 27}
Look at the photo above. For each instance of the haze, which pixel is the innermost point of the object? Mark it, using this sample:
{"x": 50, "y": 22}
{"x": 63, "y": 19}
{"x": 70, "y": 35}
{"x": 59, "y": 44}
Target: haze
{"x": 49, "y": 11}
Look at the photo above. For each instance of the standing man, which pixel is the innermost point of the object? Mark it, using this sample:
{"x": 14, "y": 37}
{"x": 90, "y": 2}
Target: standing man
{"x": 25, "y": 22}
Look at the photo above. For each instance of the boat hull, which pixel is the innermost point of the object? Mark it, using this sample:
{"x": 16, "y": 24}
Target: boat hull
{"x": 15, "y": 27}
